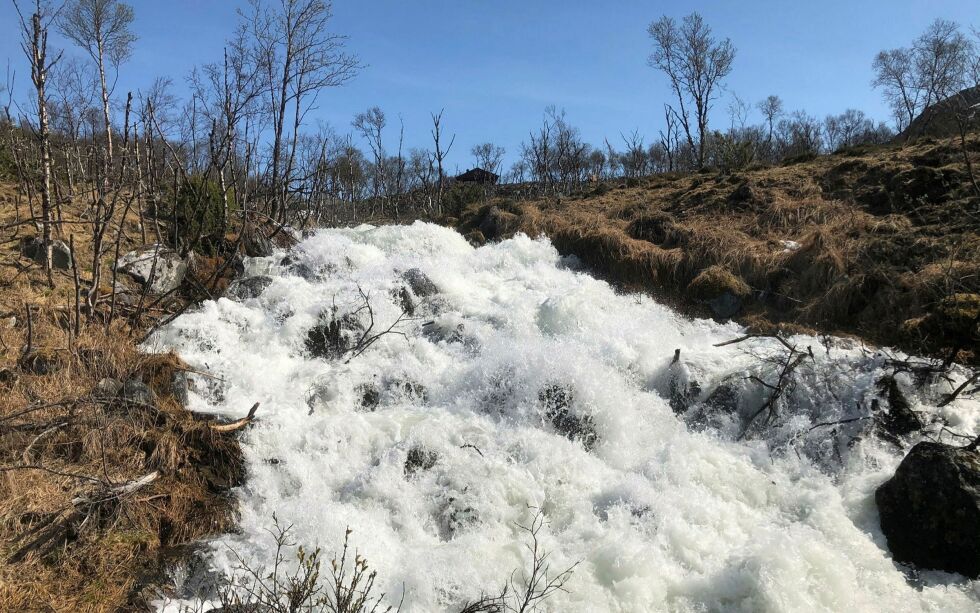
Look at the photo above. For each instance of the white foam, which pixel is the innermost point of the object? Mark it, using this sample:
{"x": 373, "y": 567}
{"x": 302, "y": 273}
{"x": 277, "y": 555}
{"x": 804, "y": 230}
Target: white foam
{"x": 659, "y": 515}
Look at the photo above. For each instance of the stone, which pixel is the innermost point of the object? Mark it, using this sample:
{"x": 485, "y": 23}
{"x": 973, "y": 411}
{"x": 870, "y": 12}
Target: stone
{"x": 557, "y": 401}
{"x": 419, "y": 459}
{"x": 930, "y": 509}
{"x": 158, "y": 268}
{"x": 33, "y": 248}
{"x": 256, "y": 244}
{"x": 138, "y": 393}
{"x": 180, "y": 387}
{"x": 249, "y": 287}
{"x": 420, "y": 283}
{"x": 333, "y": 336}
{"x": 370, "y": 396}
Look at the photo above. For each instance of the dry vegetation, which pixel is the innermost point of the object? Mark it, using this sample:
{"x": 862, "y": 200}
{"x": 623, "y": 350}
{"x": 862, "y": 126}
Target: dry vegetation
{"x": 886, "y": 242}
{"x": 97, "y": 491}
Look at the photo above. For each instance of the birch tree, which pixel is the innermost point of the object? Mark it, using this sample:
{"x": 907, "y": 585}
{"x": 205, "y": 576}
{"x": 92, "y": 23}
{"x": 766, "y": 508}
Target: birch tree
{"x": 102, "y": 29}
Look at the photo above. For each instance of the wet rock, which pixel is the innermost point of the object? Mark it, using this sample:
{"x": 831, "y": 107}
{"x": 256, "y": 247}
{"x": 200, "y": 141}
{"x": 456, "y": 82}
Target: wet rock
{"x": 900, "y": 419}
{"x": 256, "y": 244}
{"x": 407, "y": 389}
{"x": 298, "y": 268}
{"x": 457, "y": 516}
{"x": 930, "y": 509}
{"x": 333, "y": 336}
{"x": 724, "y": 399}
{"x": 557, "y": 401}
{"x": 138, "y": 393}
{"x": 725, "y": 306}
{"x": 33, "y": 248}
{"x": 419, "y": 459}
{"x": 682, "y": 390}
{"x": 250, "y": 287}
{"x": 418, "y": 287}
{"x": 370, "y": 396}
{"x": 159, "y": 268}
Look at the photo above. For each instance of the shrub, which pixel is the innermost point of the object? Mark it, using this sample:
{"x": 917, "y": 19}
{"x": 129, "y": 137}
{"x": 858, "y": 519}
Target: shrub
{"x": 200, "y": 215}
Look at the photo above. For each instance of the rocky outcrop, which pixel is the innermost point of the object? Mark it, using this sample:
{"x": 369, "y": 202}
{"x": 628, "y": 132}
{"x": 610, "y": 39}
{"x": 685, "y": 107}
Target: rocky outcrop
{"x": 930, "y": 509}
{"x": 159, "y": 269}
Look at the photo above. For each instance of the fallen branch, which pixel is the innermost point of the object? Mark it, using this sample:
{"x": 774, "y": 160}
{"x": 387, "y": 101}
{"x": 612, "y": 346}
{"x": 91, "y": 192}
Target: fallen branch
{"x": 952, "y": 396}
{"x": 236, "y": 425}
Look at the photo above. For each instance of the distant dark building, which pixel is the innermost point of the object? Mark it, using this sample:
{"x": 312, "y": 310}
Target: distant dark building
{"x": 479, "y": 176}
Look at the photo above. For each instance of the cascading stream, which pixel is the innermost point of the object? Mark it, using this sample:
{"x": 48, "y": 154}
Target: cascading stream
{"x": 521, "y": 384}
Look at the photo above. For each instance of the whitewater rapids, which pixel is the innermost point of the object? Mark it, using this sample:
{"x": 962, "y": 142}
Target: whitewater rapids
{"x": 666, "y": 511}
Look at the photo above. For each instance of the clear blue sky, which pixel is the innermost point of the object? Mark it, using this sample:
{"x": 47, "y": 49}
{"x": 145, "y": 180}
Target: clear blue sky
{"x": 495, "y": 65}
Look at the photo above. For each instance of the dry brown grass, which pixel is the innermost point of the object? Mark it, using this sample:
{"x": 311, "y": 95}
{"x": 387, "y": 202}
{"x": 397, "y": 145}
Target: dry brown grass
{"x": 886, "y": 237}
{"x": 61, "y": 438}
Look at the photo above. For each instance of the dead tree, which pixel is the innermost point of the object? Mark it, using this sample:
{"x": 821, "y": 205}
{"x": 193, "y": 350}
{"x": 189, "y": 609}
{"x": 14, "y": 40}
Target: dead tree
{"x": 440, "y": 155}
{"x": 34, "y": 32}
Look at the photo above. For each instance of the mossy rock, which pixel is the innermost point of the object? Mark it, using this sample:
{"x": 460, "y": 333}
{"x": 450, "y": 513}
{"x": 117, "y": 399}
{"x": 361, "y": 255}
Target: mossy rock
{"x": 715, "y": 281}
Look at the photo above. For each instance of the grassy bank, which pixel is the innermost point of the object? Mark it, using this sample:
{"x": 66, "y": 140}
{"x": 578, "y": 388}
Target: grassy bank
{"x": 104, "y": 475}
{"x": 882, "y": 243}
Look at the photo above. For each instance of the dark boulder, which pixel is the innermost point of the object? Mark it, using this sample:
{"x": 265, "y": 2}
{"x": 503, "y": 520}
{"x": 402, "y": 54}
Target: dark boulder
{"x": 930, "y": 509}
{"x": 334, "y": 336}
{"x": 250, "y": 287}
{"x": 419, "y": 459}
{"x": 557, "y": 401}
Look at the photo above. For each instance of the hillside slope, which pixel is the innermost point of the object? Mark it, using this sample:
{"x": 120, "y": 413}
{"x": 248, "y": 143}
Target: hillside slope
{"x": 882, "y": 243}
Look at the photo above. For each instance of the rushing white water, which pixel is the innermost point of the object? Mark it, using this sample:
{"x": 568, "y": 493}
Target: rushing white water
{"x": 664, "y": 512}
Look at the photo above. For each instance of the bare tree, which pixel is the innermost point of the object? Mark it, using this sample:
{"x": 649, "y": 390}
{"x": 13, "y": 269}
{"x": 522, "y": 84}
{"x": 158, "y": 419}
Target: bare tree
{"x": 933, "y": 69}
{"x": 488, "y": 156}
{"x": 440, "y": 153}
{"x": 771, "y": 109}
{"x": 370, "y": 125}
{"x": 696, "y": 64}
{"x": 102, "y": 29}
{"x": 895, "y": 76}
{"x": 300, "y": 57}
{"x": 34, "y": 33}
